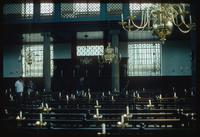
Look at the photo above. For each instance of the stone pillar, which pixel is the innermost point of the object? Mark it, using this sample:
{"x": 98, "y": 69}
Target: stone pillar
{"x": 46, "y": 63}
{"x": 115, "y": 63}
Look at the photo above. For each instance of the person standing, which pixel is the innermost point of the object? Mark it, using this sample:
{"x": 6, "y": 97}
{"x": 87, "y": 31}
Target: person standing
{"x": 19, "y": 85}
{"x": 30, "y": 86}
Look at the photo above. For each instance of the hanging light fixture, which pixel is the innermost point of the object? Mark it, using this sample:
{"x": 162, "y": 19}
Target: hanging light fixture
{"x": 110, "y": 55}
{"x": 160, "y": 18}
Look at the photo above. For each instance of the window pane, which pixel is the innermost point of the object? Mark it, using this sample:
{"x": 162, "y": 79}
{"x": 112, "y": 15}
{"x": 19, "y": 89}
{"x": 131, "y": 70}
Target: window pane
{"x": 114, "y": 8}
{"x": 144, "y": 59}
{"x": 27, "y": 9}
{"x": 32, "y": 60}
{"x": 46, "y": 9}
{"x": 93, "y": 50}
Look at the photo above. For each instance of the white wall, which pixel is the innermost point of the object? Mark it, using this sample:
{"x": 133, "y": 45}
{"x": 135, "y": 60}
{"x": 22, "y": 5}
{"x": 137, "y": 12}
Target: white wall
{"x": 62, "y": 51}
{"x": 12, "y": 66}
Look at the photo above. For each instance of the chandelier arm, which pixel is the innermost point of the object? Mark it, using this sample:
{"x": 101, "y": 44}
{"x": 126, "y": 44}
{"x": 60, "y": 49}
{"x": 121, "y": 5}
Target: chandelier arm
{"x": 174, "y": 21}
{"x": 182, "y": 10}
{"x": 124, "y": 27}
{"x": 144, "y": 17}
{"x": 183, "y": 21}
{"x": 142, "y": 25}
{"x": 184, "y": 31}
{"x": 138, "y": 27}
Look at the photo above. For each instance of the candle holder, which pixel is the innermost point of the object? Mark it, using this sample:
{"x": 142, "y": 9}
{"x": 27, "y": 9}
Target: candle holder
{"x": 20, "y": 117}
{"x": 42, "y": 106}
{"x": 103, "y": 132}
{"x": 97, "y": 115}
{"x": 40, "y": 123}
{"x": 138, "y": 96}
{"x": 122, "y": 123}
{"x": 149, "y": 106}
{"x": 46, "y": 109}
{"x": 128, "y": 115}
{"x": 97, "y": 104}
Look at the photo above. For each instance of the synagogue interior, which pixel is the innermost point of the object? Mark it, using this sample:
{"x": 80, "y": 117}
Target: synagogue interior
{"x": 99, "y": 68}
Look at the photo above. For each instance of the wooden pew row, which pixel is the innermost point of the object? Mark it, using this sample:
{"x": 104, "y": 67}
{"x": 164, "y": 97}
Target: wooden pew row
{"x": 93, "y": 123}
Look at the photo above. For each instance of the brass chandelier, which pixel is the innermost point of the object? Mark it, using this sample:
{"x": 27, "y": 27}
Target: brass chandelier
{"x": 160, "y": 18}
{"x": 111, "y": 55}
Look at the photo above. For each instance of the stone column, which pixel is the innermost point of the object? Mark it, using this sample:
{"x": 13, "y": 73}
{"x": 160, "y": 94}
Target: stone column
{"x": 115, "y": 63}
{"x": 47, "y": 63}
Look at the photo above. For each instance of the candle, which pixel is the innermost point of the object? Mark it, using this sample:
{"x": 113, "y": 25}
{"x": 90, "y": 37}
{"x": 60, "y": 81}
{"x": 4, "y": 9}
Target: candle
{"x": 103, "y": 94}
{"x": 160, "y": 96}
{"x": 133, "y": 94}
{"x": 127, "y": 110}
{"x": 89, "y": 96}
{"x": 138, "y": 95}
{"x": 29, "y": 93}
{"x": 192, "y": 94}
{"x": 97, "y": 111}
{"x": 20, "y": 114}
{"x": 122, "y": 119}
{"x": 149, "y": 102}
{"x": 97, "y": 102}
{"x": 41, "y": 117}
{"x": 67, "y": 97}
{"x": 11, "y": 98}
{"x": 108, "y": 92}
{"x": 42, "y": 105}
{"x": 103, "y": 128}
{"x": 112, "y": 98}
{"x": 122, "y": 18}
{"x": 59, "y": 94}
{"x": 21, "y": 94}
{"x": 175, "y": 94}
{"x": 126, "y": 92}
{"x": 47, "y": 105}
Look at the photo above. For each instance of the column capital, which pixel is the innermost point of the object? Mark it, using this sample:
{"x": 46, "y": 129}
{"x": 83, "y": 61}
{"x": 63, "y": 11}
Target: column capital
{"x": 114, "y": 32}
{"x": 45, "y": 34}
